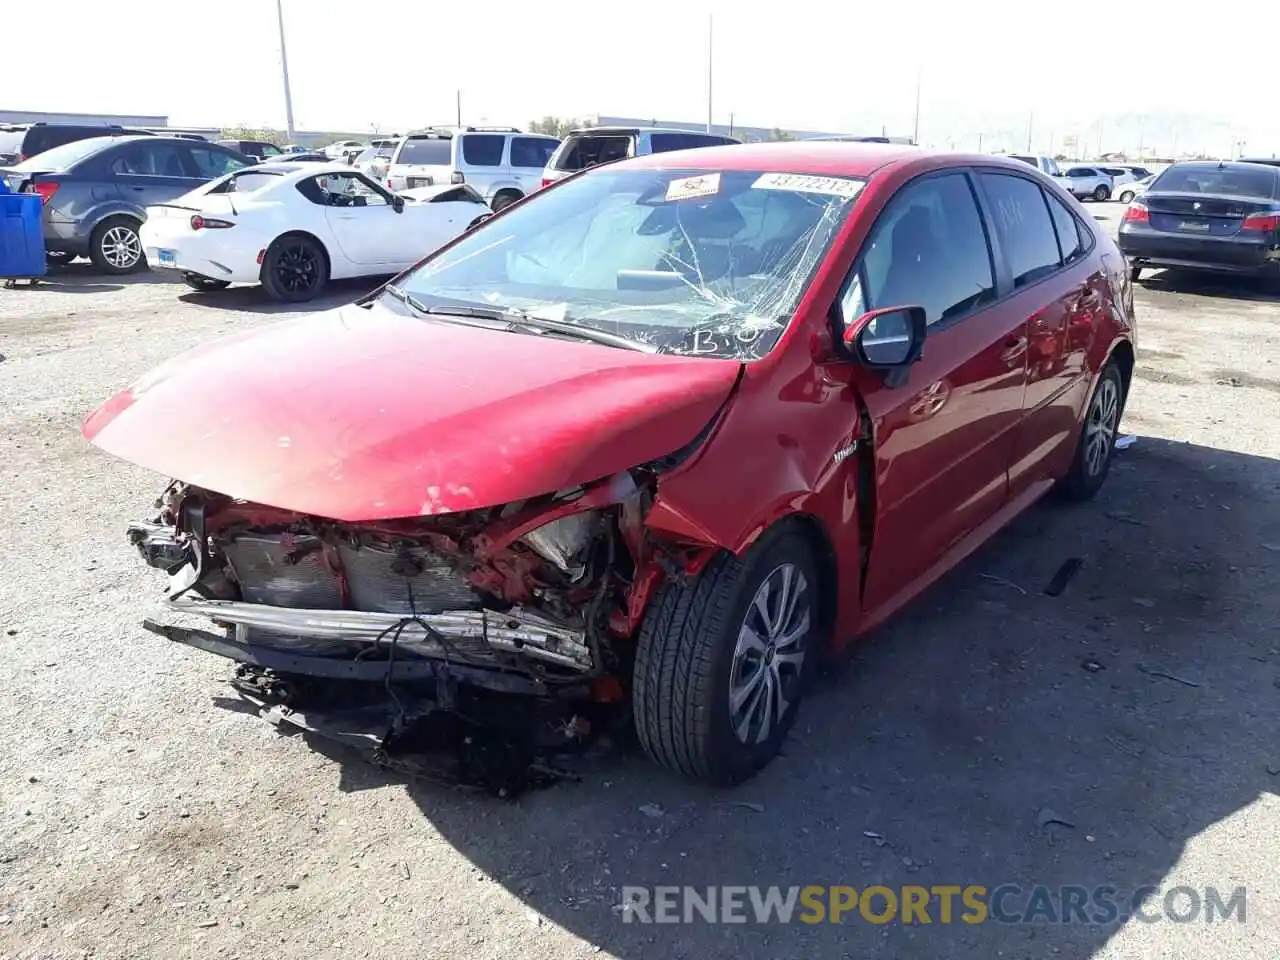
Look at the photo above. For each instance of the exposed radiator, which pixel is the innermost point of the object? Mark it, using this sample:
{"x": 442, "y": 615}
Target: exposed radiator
{"x": 284, "y": 570}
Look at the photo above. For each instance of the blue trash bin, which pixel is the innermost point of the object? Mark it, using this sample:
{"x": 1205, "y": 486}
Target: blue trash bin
{"x": 21, "y": 237}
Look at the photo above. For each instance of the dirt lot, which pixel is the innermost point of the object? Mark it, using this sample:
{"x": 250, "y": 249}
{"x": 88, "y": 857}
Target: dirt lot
{"x": 142, "y": 816}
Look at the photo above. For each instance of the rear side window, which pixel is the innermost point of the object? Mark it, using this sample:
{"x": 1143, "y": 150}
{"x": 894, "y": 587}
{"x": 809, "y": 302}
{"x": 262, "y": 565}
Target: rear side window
{"x": 587, "y": 151}
{"x": 482, "y": 149}
{"x": 664, "y": 142}
{"x": 212, "y": 163}
{"x": 532, "y": 151}
{"x": 1236, "y": 181}
{"x": 928, "y": 248}
{"x": 1073, "y": 242}
{"x": 1024, "y": 226}
{"x": 430, "y": 151}
{"x": 40, "y": 139}
{"x": 149, "y": 160}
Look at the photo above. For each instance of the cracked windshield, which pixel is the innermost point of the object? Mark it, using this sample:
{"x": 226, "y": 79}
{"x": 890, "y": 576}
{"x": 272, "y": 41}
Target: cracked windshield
{"x": 708, "y": 263}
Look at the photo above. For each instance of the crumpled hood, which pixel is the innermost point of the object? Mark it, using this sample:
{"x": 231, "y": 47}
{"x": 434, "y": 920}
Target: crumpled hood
{"x": 365, "y": 414}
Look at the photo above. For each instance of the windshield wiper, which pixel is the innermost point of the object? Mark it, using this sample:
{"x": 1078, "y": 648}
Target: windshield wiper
{"x": 532, "y": 324}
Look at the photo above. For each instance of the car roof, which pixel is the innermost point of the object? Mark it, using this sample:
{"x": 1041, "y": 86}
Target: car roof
{"x": 831, "y": 157}
{"x": 1221, "y": 164}
{"x": 616, "y": 131}
{"x": 1269, "y": 161}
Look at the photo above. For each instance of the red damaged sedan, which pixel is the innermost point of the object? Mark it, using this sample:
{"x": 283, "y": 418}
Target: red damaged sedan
{"x": 662, "y": 435}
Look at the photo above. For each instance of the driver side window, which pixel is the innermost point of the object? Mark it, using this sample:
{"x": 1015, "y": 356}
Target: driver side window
{"x": 341, "y": 190}
{"x": 929, "y": 249}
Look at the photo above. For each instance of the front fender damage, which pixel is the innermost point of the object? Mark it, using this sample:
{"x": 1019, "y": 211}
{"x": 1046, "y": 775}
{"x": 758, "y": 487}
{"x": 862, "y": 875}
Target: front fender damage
{"x": 504, "y": 634}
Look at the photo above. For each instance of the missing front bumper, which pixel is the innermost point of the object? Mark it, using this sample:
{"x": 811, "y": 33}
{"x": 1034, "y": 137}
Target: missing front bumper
{"x": 514, "y": 651}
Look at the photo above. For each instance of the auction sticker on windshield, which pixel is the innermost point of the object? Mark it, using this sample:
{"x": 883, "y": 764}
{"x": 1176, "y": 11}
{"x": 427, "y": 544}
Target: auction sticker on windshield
{"x": 687, "y": 188}
{"x": 802, "y": 183}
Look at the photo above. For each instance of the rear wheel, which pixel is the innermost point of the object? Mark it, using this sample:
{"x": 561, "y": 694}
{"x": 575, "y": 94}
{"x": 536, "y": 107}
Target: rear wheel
{"x": 295, "y": 269}
{"x": 1126, "y": 196}
{"x": 1098, "y": 433}
{"x": 723, "y": 660}
{"x": 504, "y": 199}
{"x": 114, "y": 246}
{"x": 1100, "y": 192}
{"x": 197, "y": 282}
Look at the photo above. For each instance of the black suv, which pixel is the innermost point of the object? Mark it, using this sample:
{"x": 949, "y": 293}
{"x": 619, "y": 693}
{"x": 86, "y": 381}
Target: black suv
{"x": 20, "y": 141}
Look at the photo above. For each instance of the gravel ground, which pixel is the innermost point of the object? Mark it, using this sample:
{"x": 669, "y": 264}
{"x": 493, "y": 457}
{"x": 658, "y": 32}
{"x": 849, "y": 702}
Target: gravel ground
{"x": 142, "y": 816}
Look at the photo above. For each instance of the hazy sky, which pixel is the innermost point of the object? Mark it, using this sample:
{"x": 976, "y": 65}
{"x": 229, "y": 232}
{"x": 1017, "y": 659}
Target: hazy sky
{"x": 986, "y": 65}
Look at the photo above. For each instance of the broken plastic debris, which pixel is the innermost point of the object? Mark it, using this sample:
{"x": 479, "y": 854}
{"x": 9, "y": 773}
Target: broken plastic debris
{"x": 1125, "y": 442}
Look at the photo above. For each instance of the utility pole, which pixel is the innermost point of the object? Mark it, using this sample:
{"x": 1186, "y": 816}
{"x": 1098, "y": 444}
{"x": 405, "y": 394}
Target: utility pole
{"x": 710, "y": 50}
{"x": 915, "y": 126}
{"x": 458, "y": 101}
{"x": 979, "y": 143}
{"x": 1030, "y": 118}
{"x": 284, "y": 68}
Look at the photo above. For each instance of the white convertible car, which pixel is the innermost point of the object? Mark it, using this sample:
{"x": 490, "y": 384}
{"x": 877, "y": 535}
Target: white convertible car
{"x": 294, "y": 226}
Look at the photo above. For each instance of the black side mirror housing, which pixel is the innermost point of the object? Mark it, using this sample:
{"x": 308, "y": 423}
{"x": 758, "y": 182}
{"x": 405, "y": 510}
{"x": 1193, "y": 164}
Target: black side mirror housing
{"x": 889, "y": 340}
{"x": 397, "y": 203}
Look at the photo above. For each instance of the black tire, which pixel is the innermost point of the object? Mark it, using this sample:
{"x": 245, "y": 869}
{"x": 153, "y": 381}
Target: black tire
{"x": 1101, "y": 193}
{"x": 504, "y": 199}
{"x": 295, "y": 269}
{"x": 687, "y": 657}
{"x": 1126, "y": 196}
{"x": 197, "y": 282}
{"x": 1089, "y": 466}
{"x": 115, "y": 248}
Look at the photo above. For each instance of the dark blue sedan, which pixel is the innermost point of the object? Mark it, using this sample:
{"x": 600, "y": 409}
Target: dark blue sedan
{"x": 95, "y": 191}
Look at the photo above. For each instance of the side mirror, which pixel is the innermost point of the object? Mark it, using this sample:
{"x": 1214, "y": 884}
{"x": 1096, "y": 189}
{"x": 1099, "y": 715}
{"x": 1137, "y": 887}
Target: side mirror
{"x": 397, "y": 203}
{"x": 890, "y": 340}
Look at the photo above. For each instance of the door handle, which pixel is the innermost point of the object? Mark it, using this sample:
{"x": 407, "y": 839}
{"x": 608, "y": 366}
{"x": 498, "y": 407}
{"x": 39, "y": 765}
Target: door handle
{"x": 1013, "y": 350}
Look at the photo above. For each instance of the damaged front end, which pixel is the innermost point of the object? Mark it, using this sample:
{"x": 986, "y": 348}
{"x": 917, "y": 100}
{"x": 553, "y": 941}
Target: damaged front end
{"x": 370, "y": 632}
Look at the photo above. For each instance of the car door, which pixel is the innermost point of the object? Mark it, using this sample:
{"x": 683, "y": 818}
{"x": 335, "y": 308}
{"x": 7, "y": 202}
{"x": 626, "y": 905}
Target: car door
{"x": 152, "y": 171}
{"x": 942, "y": 440}
{"x": 361, "y": 218}
{"x": 1044, "y": 250}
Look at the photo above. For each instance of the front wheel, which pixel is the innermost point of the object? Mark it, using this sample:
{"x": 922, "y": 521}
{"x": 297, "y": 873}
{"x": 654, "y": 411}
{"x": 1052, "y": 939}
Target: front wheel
{"x": 723, "y": 660}
{"x": 197, "y": 282}
{"x": 1126, "y": 196}
{"x": 1097, "y": 441}
{"x": 294, "y": 269}
{"x": 1101, "y": 193}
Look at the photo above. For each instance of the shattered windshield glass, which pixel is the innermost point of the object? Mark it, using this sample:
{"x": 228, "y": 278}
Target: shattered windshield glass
{"x": 711, "y": 263}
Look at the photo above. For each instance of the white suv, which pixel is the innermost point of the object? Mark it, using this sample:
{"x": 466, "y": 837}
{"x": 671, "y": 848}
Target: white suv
{"x": 501, "y": 163}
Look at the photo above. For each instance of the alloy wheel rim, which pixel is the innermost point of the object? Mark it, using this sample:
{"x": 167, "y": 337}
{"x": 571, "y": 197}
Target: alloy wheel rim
{"x": 768, "y": 659}
{"x": 1100, "y": 428}
{"x": 296, "y": 268}
{"x": 121, "y": 247}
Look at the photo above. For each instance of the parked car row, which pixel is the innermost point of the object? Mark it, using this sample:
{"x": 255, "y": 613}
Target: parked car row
{"x": 1086, "y": 181}
{"x": 218, "y": 213}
